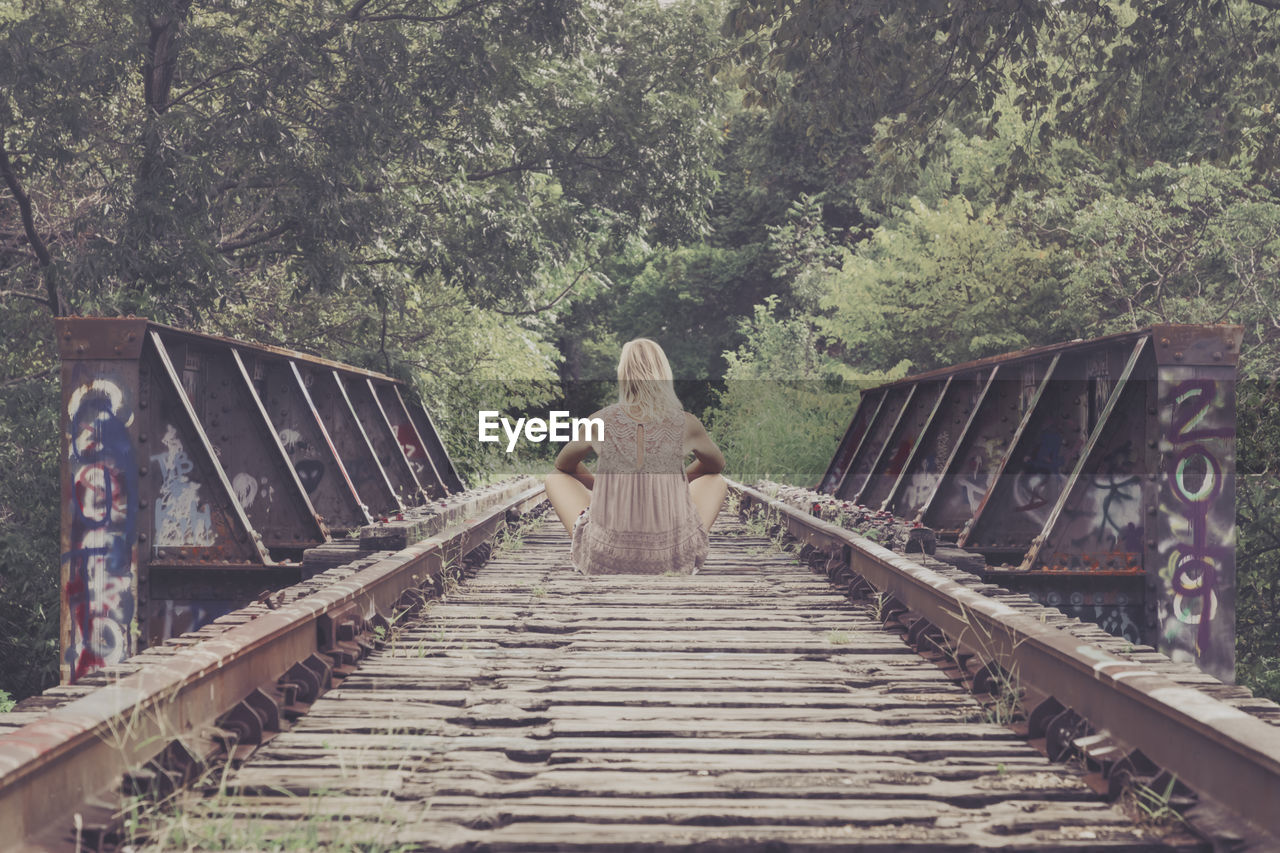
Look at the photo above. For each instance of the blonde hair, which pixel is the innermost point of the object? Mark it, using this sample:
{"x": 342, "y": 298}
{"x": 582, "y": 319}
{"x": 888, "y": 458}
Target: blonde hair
{"x": 645, "y": 387}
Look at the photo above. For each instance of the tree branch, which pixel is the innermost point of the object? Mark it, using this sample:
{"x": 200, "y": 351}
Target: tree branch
{"x": 43, "y": 258}
{"x": 22, "y": 294}
{"x": 561, "y": 295}
{"x": 227, "y": 246}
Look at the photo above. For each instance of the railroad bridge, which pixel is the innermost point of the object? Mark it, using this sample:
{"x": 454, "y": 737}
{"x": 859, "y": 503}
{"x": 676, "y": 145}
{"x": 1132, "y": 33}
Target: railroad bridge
{"x": 1004, "y": 619}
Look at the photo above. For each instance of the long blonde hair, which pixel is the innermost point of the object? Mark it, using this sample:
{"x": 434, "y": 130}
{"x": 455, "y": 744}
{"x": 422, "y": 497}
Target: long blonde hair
{"x": 645, "y": 387}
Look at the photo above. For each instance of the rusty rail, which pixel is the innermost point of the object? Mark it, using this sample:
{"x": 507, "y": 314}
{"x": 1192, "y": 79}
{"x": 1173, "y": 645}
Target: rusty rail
{"x": 155, "y": 729}
{"x": 1218, "y": 751}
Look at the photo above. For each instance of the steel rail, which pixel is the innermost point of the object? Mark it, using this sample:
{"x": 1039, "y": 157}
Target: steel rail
{"x": 1219, "y": 751}
{"x": 52, "y": 766}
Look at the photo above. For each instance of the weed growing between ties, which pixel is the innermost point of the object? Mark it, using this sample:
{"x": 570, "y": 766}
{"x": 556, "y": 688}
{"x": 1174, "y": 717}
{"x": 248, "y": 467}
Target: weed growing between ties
{"x": 1003, "y": 703}
{"x": 355, "y": 809}
{"x": 1151, "y": 806}
{"x": 224, "y": 820}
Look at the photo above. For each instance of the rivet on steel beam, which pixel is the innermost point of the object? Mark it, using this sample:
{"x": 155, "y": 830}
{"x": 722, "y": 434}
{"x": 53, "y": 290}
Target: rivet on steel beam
{"x": 1151, "y": 543}
{"x": 142, "y": 438}
{"x": 1217, "y": 356}
{"x": 1164, "y": 342}
{"x": 1177, "y": 356}
{"x": 143, "y": 470}
{"x": 142, "y": 537}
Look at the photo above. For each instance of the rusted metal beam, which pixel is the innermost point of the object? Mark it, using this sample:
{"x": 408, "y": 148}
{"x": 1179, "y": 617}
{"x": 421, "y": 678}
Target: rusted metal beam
{"x": 868, "y": 405}
{"x": 415, "y": 447}
{"x": 903, "y": 443}
{"x": 873, "y": 442}
{"x": 198, "y": 458}
{"x": 937, "y": 442}
{"x": 1064, "y": 478}
{"x": 435, "y": 448}
{"x": 998, "y": 484}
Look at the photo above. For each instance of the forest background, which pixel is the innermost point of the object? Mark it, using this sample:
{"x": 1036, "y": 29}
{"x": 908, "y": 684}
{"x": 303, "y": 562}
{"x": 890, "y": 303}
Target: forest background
{"x": 488, "y": 197}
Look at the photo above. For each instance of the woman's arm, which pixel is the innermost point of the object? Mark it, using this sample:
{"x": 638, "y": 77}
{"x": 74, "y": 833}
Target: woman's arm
{"x": 570, "y": 460}
{"x": 707, "y": 457}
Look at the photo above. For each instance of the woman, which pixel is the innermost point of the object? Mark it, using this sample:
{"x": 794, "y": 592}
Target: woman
{"x": 642, "y": 512}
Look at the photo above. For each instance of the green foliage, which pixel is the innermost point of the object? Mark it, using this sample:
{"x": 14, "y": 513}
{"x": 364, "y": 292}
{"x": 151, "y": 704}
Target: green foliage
{"x": 424, "y": 189}
{"x": 784, "y": 405}
{"x": 940, "y": 286}
{"x": 29, "y": 503}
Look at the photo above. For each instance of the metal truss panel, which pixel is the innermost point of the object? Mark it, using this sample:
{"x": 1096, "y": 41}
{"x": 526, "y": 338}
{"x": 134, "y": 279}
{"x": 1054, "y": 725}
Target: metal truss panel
{"x": 902, "y": 442}
{"x": 262, "y": 477}
{"x": 1036, "y": 466}
{"x": 923, "y": 472}
{"x": 349, "y": 440}
{"x": 869, "y": 401}
{"x": 308, "y": 445}
{"x": 382, "y": 438}
{"x": 1096, "y": 525}
{"x": 976, "y": 458}
{"x": 886, "y": 417}
{"x": 421, "y": 419}
{"x": 411, "y": 442}
{"x": 195, "y": 517}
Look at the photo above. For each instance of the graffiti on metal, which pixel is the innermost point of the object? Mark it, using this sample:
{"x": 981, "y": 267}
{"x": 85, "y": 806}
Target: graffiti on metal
{"x": 1101, "y": 470}
{"x": 1197, "y": 545}
{"x": 181, "y": 517}
{"x": 99, "y": 590}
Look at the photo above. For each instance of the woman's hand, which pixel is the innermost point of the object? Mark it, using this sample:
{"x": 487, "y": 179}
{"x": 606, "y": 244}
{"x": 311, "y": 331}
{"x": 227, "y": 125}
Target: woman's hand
{"x": 707, "y": 456}
{"x": 570, "y": 461}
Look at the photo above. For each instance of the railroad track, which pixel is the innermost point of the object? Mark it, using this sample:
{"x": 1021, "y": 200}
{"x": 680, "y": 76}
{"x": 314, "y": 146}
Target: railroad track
{"x": 754, "y": 704}
{"x": 156, "y": 723}
{"x": 749, "y": 707}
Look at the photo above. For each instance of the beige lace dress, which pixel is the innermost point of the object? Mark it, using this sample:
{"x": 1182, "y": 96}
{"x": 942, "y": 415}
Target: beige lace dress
{"x": 641, "y": 519}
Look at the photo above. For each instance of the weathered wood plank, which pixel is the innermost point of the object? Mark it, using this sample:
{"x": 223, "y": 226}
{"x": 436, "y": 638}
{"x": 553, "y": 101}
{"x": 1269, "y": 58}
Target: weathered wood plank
{"x": 747, "y": 707}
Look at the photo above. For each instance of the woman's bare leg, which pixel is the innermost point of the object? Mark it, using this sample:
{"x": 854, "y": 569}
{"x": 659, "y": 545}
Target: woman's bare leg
{"x": 568, "y": 496}
{"x": 708, "y": 493}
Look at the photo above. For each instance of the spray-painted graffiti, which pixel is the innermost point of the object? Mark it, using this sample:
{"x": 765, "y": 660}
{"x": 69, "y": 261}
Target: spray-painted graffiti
{"x": 180, "y": 518}
{"x": 1102, "y": 525}
{"x": 922, "y": 483}
{"x": 1036, "y": 488}
{"x": 975, "y": 477}
{"x": 1197, "y": 520}
{"x": 1116, "y": 614}
{"x": 310, "y": 471}
{"x": 413, "y": 450}
{"x": 99, "y": 594}
{"x": 245, "y": 485}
